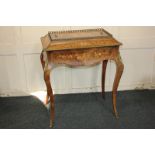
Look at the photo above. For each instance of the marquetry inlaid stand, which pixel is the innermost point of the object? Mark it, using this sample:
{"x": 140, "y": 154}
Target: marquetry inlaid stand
{"x": 80, "y": 48}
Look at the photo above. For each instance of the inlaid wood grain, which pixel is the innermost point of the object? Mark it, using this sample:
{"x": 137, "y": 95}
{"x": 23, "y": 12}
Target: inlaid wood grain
{"x": 80, "y": 52}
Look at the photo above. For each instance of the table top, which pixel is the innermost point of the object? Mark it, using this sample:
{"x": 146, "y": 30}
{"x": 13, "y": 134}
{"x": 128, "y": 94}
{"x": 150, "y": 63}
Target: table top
{"x": 77, "y": 39}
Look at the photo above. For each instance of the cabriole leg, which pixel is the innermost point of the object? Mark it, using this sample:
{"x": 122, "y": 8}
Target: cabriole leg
{"x": 119, "y": 71}
{"x": 50, "y": 94}
{"x": 49, "y": 91}
{"x": 104, "y": 66}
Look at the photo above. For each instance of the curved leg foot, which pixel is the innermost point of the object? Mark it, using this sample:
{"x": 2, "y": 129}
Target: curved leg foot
{"x": 51, "y": 124}
{"x": 104, "y": 66}
{"x": 119, "y": 71}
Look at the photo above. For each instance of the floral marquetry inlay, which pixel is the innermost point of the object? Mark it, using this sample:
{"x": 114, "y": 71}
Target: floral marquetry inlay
{"x": 80, "y": 48}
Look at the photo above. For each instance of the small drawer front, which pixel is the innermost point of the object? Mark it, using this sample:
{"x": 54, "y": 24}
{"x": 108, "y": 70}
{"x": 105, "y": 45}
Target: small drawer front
{"x": 80, "y": 57}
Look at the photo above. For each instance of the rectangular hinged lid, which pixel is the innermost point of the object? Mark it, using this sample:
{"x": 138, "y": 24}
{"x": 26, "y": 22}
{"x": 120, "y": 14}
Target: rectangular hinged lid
{"x": 77, "y": 39}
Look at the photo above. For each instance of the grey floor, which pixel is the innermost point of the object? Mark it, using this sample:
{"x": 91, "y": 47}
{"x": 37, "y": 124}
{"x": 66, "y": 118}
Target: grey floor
{"x": 81, "y": 111}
